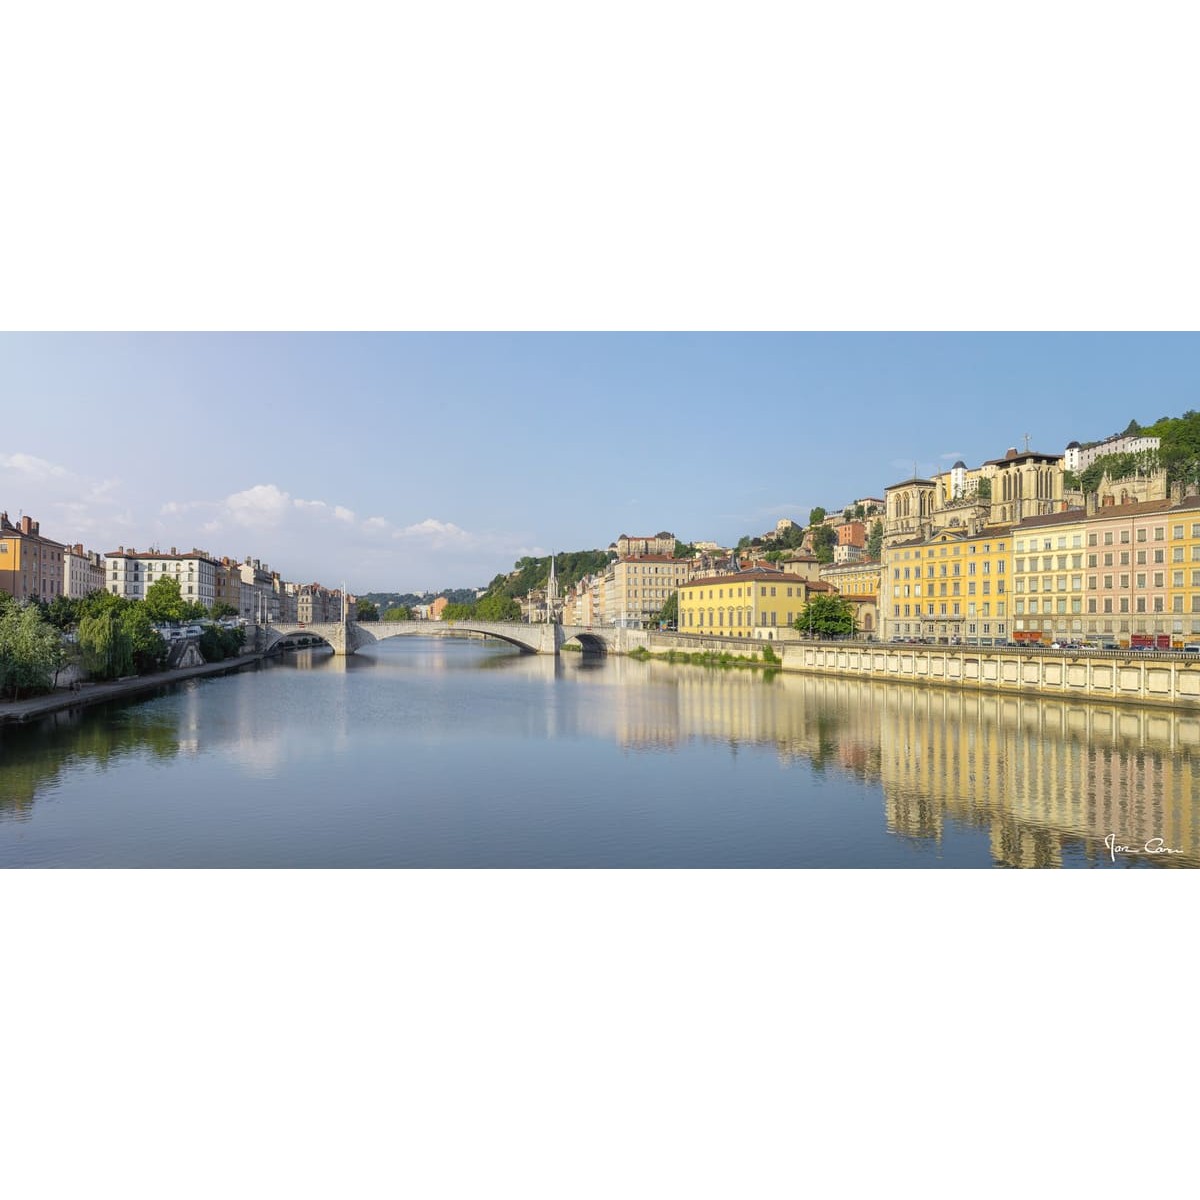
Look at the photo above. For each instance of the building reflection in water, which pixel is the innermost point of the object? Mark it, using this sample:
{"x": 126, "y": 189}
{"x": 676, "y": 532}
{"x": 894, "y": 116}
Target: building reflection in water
{"x": 1045, "y": 778}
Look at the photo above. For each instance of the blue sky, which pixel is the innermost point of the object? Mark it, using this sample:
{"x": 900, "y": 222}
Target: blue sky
{"x": 422, "y": 461}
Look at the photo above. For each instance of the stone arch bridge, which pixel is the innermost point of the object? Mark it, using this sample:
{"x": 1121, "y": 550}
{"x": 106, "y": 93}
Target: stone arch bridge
{"x": 348, "y": 637}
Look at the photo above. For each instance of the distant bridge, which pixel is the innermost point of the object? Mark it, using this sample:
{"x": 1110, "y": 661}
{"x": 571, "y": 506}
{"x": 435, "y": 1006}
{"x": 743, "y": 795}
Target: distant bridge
{"x": 352, "y": 636}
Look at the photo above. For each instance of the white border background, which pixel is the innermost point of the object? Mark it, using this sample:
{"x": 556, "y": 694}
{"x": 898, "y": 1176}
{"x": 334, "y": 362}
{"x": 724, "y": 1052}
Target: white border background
{"x": 626, "y": 166}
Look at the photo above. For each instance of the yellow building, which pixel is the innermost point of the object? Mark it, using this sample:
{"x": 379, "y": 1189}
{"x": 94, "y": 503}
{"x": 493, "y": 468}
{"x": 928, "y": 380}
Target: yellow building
{"x": 948, "y": 588}
{"x": 858, "y": 582}
{"x": 1184, "y": 594}
{"x": 755, "y": 603}
{"x": 32, "y": 567}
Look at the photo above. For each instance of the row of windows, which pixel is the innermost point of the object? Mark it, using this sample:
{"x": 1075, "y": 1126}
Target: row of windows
{"x": 1058, "y": 583}
{"x": 688, "y": 596}
{"x": 1122, "y": 604}
{"x": 954, "y": 550}
{"x": 951, "y": 608}
{"x": 899, "y": 589}
{"x": 974, "y": 629}
{"x": 916, "y": 571}
{"x": 737, "y": 617}
{"x": 1107, "y": 538}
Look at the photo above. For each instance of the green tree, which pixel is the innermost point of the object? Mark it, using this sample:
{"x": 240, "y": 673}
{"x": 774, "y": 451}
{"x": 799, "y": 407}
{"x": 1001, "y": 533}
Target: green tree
{"x": 827, "y": 616}
{"x": 62, "y": 612}
{"x": 31, "y": 651}
{"x": 1179, "y": 449}
{"x": 823, "y": 542}
{"x": 164, "y": 600}
{"x": 458, "y": 612}
{"x": 217, "y": 644}
{"x": 146, "y": 645}
{"x": 497, "y": 608}
{"x": 221, "y": 609}
{"x": 983, "y": 490}
{"x": 400, "y": 612}
{"x": 106, "y": 648}
{"x": 875, "y": 541}
{"x": 366, "y": 611}
{"x": 669, "y": 613}
{"x": 816, "y": 516}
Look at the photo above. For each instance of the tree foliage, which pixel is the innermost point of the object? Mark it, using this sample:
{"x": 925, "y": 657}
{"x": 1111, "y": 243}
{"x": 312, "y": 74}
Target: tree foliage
{"x": 816, "y": 515}
{"x": 1118, "y": 466}
{"x": 827, "y": 615}
{"x": 498, "y": 608}
{"x": 669, "y": 613}
{"x": 164, "y": 600}
{"x": 875, "y": 540}
{"x": 823, "y": 542}
{"x": 146, "y": 645}
{"x": 107, "y": 651}
{"x": 31, "y": 651}
{"x": 400, "y": 612}
{"x": 458, "y": 612}
{"x": 1179, "y": 449}
{"x": 218, "y": 644}
{"x": 366, "y": 610}
{"x": 529, "y": 574}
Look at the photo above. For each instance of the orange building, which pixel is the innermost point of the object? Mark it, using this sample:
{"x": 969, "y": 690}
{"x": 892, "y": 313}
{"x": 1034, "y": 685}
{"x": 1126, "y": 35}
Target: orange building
{"x": 31, "y": 566}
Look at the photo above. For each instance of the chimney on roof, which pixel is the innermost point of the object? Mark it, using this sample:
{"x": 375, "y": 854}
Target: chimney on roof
{"x": 174, "y": 551}
{"x": 1090, "y": 503}
{"x": 1177, "y": 493}
{"x": 28, "y": 526}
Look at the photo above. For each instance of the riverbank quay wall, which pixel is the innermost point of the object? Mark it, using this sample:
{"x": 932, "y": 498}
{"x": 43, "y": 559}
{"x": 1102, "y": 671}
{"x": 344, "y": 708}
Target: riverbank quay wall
{"x": 65, "y": 700}
{"x": 1168, "y": 679}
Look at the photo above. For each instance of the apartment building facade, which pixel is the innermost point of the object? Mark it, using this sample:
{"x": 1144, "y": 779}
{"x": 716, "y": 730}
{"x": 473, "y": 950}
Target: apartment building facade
{"x": 858, "y": 582}
{"x": 951, "y": 587}
{"x": 753, "y": 603}
{"x": 130, "y": 574}
{"x": 1125, "y": 573}
{"x": 83, "y": 572}
{"x": 32, "y": 567}
{"x": 636, "y": 588}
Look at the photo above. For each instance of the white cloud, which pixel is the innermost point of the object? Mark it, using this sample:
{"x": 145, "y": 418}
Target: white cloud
{"x": 32, "y": 467}
{"x": 343, "y": 514}
{"x": 260, "y": 507}
{"x": 429, "y": 528}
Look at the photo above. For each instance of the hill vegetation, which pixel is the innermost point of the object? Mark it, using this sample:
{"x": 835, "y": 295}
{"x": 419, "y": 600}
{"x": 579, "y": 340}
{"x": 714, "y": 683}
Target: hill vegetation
{"x": 1178, "y": 453}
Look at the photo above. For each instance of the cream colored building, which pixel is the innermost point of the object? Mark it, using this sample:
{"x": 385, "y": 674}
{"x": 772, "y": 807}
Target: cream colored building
{"x": 636, "y": 588}
{"x": 83, "y": 572}
{"x": 130, "y": 574}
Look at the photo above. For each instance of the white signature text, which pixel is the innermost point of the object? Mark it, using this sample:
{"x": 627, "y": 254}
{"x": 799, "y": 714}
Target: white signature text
{"x": 1153, "y": 846}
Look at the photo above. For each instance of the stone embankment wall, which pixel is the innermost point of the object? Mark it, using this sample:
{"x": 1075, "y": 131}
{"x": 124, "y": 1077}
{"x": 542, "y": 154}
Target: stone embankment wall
{"x": 1138, "y": 677}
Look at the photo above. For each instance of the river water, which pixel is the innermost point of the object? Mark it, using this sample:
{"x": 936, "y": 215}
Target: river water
{"x": 459, "y": 753}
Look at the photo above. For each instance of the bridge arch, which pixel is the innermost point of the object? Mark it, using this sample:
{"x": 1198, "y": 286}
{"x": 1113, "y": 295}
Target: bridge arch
{"x": 592, "y": 643}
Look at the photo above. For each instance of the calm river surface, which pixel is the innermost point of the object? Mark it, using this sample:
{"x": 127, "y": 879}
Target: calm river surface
{"x": 456, "y": 753}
